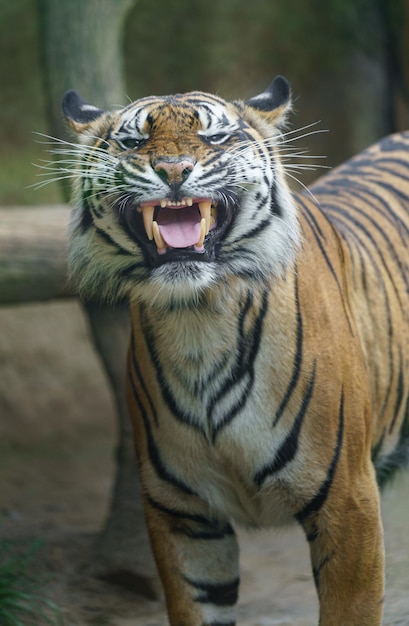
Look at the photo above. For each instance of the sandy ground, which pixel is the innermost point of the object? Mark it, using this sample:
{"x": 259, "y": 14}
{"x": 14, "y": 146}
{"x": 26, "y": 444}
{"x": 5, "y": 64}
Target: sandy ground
{"x": 56, "y": 473}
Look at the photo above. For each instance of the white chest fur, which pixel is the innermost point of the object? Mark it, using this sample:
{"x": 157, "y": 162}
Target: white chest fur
{"x": 215, "y": 406}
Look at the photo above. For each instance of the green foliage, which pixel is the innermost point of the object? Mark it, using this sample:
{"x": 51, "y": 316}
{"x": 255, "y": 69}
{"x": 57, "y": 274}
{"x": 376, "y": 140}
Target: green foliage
{"x": 22, "y": 105}
{"x": 21, "y": 602}
{"x": 198, "y": 44}
{"x": 233, "y": 47}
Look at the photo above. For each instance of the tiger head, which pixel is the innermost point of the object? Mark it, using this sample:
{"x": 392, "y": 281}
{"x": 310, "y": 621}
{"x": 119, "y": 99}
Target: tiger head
{"x": 173, "y": 194}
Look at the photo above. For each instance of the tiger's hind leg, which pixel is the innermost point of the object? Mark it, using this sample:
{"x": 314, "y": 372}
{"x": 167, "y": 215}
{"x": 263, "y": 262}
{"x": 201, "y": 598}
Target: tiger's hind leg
{"x": 346, "y": 546}
{"x": 197, "y": 559}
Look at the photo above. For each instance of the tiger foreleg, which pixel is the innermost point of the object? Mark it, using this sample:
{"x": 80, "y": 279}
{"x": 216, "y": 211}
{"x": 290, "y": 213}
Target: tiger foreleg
{"x": 346, "y": 545}
{"x": 197, "y": 559}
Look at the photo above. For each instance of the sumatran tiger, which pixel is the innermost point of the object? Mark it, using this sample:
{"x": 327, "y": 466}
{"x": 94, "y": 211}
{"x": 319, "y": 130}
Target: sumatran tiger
{"x": 268, "y": 375}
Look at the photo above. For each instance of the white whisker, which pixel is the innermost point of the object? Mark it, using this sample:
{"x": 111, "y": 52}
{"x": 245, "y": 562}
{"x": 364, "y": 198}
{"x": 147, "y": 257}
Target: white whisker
{"x": 301, "y": 128}
{"x": 303, "y": 186}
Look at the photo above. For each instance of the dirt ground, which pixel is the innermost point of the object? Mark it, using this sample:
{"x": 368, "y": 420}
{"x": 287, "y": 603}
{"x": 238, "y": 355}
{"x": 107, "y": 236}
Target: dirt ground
{"x": 56, "y": 469}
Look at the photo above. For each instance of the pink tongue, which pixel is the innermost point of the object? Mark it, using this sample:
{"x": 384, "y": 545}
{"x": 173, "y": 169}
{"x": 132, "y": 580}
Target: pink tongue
{"x": 180, "y": 228}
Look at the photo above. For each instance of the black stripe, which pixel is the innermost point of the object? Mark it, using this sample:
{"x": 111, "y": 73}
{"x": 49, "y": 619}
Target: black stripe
{"x": 367, "y": 192}
{"x": 154, "y": 455}
{"x": 179, "y": 515}
{"x": 399, "y": 141}
{"x": 219, "y": 594}
{"x": 312, "y": 535}
{"x": 110, "y": 241}
{"x": 399, "y": 395}
{"x": 252, "y": 233}
{"x": 354, "y": 185}
{"x": 206, "y": 534}
{"x": 130, "y": 160}
{"x": 180, "y": 413}
{"x": 315, "y": 227}
{"x": 275, "y": 207}
{"x": 288, "y": 449}
{"x": 371, "y": 199}
{"x": 317, "y": 570}
{"x": 377, "y": 447}
{"x": 238, "y": 370}
{"x": 389, "y": 245}
{"x": 393, "y": 190}
{"x": 248, "y": 347}
{"x": 259, "y": 202}
{"x": 310, "y": 222}
{"x": 202, "y": 383}
{"x": 236, "y": 408}
{"x": 86, "y": 214}
{"x": 298, "y": 356}
{"x": 387, "y": 465}
{"x": 97, "y": 210}
{"x": 142, "y": 381}
{"x": 130, "y": 178}
{"x": 130, "y": 269}
{"x": 361, "y": 245}
{"x": 315, "y": 504}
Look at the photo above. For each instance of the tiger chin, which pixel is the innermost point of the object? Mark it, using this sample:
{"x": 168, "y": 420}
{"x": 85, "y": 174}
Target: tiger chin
{"x": 268, "y": 377}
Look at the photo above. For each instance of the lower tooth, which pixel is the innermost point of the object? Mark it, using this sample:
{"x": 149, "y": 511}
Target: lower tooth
{"x": 205, "y": 212}
{"x": 160, "y": 243}
{"x": 202, "y": 232}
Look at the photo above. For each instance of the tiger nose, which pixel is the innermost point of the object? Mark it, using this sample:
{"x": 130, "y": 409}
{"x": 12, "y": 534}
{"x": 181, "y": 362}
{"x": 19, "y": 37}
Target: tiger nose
{"x": 174, "y": 170}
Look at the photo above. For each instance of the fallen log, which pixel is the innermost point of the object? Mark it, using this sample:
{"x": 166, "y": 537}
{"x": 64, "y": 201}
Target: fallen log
{"x": 33, "y": 263}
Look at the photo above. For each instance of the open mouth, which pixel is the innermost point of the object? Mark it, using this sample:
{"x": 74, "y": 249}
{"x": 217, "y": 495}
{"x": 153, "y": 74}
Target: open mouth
{"x": 179, "y": 225}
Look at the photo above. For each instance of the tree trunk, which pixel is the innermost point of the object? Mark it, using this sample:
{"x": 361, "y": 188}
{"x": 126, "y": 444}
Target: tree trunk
{"x": 81, "y": 50}
{"x": 122, "y": 552}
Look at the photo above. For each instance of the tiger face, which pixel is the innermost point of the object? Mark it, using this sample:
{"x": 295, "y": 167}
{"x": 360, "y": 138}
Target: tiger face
{"x": 179, "y": 192}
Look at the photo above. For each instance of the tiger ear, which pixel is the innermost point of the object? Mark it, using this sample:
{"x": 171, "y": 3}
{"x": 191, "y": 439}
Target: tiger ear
{"x": 276, "y": 96}
{"x": 78, "y": 113}
{"x": 270, "y": 107}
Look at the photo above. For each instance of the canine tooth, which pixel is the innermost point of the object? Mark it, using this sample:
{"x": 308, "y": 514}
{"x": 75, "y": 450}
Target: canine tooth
{"x": 147, "y": 214}
{"x": 202, "y": 233}
{"x": 163, "y": 203}
{"x": 189, "y": 201}
{"x": 160, "y": 244}
{"x": 204, "y": 208}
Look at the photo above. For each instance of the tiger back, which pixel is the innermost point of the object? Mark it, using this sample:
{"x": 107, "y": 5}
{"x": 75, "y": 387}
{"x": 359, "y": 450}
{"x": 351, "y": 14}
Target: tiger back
{"x": 268, "y": 377}
{"x": 366, "y": 200}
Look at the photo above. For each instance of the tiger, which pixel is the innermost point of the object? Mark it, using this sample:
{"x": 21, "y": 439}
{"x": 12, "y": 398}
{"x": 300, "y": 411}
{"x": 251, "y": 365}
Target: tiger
{"x": 267, "y": 373}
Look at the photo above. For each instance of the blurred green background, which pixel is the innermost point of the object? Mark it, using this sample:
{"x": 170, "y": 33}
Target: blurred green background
{"x": 347, "y": 62}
